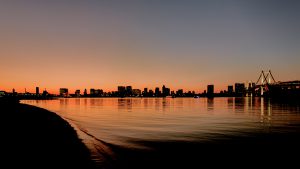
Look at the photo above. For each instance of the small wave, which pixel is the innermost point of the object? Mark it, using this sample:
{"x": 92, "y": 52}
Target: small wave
{"x": 101, "y": 151}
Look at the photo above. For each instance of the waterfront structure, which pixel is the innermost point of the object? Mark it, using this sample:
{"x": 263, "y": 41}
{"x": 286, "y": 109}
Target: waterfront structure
{"x": 151, "y": 93}
{"x": 265, "y": 86}
{"x": 121, "y": 91}
{"x": 98, "y": 92}
{"x": 63, "y": 92}
{"x": 46, "y": 94}
{"x": 157, "y": 92}
{"x": 230, "y": 89}
{"x": 128, "y": 90}
{"x": 239, "y": 89}
{"x": 210, "y": 90}
{"x": 145, "y": 92}
{"x": 77, "y": 93}
{"x": 2, "y": 93}
{"x": 165, "y": 91}
{"x": 250, "y": 85}
{"x": 179, "y": 92}
{"x": 37, "y": 91}
{"x": 85, "y": 93}
{"x": 136, "y": 92}
{"x": 92, "y": 92}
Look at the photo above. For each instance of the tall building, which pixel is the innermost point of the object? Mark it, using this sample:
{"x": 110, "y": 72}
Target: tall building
{"x": 85, "y": 92}
{"x": 128, "y": 90}
{"x": 92, "y": 92}
{"x": 145, "y": 92}
{"x": 165, "y": 91}
{"x": 230, "y": 89}
{"x": 179, "y": 92}
{"x": 168, "y": 91}
{"x": 37, "y": 91}
{"x": 210, "y": 90}
{"x": 121, "y": 91}
{"x": 239, "y": 88}
{"x": 63, "y": 92}
{"x": 157, "y": 92}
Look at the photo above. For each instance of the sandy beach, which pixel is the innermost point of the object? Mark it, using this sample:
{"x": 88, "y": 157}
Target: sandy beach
{"x": 32, "y": 137}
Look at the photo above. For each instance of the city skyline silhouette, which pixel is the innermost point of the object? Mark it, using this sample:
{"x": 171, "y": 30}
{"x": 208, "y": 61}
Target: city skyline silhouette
{"x": 125, "y": 84}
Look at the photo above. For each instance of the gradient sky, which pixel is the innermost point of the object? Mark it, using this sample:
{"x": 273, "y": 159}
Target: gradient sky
{"x": 183, "y": 44}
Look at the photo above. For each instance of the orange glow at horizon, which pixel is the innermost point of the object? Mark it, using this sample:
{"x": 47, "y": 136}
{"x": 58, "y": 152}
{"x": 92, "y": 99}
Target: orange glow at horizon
{"x": 72, "y": 90}
{"x": 102, "y": 45}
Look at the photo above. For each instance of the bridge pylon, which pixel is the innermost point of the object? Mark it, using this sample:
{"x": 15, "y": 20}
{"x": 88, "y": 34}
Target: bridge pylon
{"x": 264, "y": 81}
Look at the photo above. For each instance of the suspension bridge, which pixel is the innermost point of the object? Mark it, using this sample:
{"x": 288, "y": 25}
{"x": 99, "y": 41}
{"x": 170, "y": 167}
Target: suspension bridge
{"x": 266, "y": 85}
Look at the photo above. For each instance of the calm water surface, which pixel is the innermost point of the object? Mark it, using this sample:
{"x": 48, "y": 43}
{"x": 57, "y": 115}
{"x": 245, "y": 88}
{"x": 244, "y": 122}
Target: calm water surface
{"x": 126, "y": 121}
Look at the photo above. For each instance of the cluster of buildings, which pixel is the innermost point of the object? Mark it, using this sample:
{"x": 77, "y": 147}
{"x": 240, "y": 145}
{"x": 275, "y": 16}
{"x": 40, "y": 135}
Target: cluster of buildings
{"x": 25, "y": 95}
{"x": 123, "y": 91}
{"x": 236, "y": 90}
{"x": 279, "y": 89}
{"x": 239, "y": 89}
{"x": 265, "y": 88}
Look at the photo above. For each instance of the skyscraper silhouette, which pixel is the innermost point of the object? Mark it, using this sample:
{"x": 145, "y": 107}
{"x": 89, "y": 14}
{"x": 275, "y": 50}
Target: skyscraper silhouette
{"x": 37, "y": 91}
{"x": 210, "y": 90}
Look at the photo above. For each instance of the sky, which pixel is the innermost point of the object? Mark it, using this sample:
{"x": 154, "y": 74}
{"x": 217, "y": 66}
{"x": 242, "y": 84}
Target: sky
{"x": 185, "y": 44}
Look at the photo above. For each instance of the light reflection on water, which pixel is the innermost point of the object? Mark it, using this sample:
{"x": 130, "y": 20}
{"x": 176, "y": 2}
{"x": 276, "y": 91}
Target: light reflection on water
{"x": 123, "y": 121}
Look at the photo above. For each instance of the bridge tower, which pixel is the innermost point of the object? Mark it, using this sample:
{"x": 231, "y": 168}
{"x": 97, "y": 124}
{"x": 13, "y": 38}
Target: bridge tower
{"x": 266, "y": 79}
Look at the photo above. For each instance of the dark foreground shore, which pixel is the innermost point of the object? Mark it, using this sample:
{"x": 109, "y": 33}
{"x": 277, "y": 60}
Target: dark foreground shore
{"x": 257, "y": 151}
{"x": 32, "y": 137}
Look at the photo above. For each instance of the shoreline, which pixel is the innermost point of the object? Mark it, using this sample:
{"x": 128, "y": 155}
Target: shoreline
{"x": 33, "y": 137}
{"x": 224, "y": 150}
